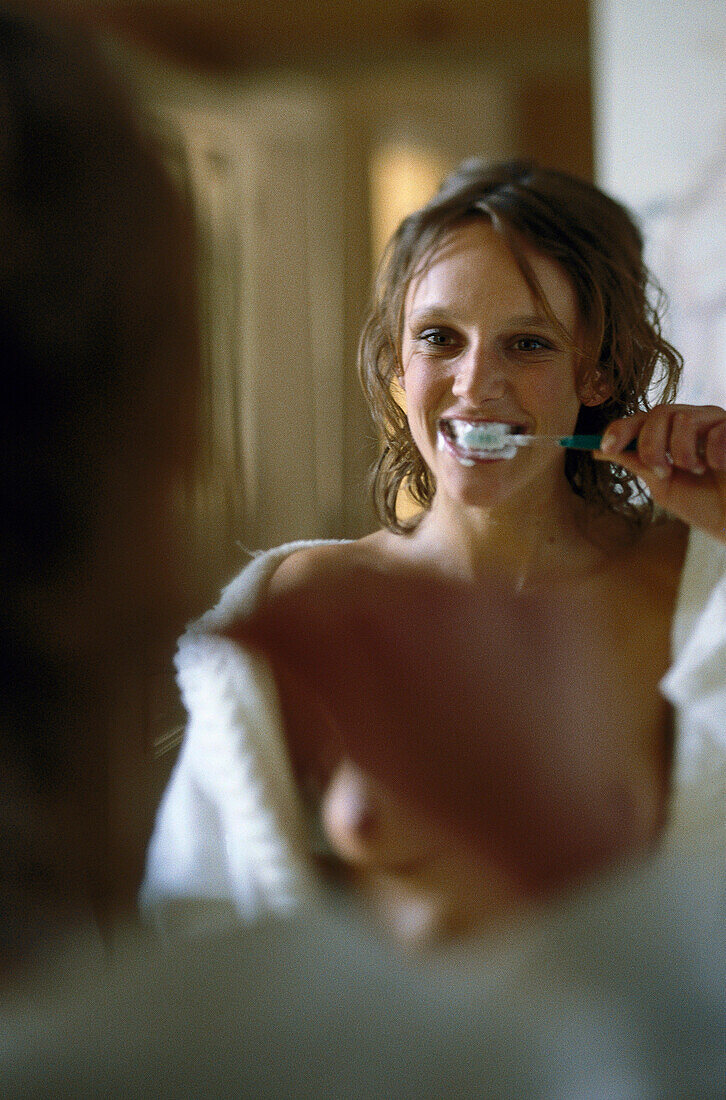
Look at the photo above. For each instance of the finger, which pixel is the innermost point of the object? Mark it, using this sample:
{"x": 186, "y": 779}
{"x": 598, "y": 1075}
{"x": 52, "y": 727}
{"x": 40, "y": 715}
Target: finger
{"x": 654, "y": 441}
{"x": 667, "y": 436}
{"x": 690, "y": 430}
{"x": 685, "y": 442}
{"x": 697, "y": 499}
{"x": 620, "y": 433}
{"x": 714, "y": 447}
{"x": 650, "y": 437}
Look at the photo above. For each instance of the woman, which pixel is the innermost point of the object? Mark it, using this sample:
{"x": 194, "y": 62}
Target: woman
{"x": 517, "y": 296}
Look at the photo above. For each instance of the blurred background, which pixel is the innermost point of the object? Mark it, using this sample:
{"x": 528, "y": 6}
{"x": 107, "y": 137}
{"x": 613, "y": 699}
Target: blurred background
{"x": 304, "y": 132}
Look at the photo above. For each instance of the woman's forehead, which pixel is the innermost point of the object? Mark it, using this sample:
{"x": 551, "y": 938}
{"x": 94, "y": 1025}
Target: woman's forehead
{"x": 473, "y": 261}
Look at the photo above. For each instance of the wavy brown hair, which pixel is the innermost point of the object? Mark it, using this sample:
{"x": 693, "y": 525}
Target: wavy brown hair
{"x": 624, "y": 354}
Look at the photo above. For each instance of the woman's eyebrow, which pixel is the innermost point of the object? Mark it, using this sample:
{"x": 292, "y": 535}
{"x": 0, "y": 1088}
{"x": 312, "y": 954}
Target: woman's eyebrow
{"x": 431, "y": 312}
{"x": 535, "y": 319}
{"x": 441, "y": 311}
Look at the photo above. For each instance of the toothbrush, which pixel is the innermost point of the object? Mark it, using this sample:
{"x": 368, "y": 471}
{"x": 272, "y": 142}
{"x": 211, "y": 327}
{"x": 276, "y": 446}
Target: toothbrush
{"x": 493, "y": 436}
{"x": 572, "y": 442}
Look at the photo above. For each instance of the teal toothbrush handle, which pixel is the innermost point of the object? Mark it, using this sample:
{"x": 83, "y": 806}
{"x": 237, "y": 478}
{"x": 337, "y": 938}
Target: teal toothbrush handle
{"x": 588, "y": 442}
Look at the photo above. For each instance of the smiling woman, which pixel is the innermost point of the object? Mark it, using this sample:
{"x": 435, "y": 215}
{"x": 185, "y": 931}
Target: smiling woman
{"x": 474, "y": 351}
{"x": 516, "y": 297}
{"x": 595, "y": 256}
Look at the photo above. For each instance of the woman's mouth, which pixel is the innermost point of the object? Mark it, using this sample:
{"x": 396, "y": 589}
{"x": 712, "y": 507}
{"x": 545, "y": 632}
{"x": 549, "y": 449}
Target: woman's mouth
{"x": 473, "y": 441}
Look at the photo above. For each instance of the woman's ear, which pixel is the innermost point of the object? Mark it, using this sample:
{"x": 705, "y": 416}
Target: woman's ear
{"x": 593, "y": 388}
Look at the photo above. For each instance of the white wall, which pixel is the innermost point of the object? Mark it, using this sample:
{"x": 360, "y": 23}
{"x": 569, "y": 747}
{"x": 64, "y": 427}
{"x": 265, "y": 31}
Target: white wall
{"x": 659, "y": 74}
{"x": 659, "y": 81}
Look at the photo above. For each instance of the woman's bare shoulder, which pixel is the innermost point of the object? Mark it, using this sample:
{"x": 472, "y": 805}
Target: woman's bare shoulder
{"x": 321, "y": 560}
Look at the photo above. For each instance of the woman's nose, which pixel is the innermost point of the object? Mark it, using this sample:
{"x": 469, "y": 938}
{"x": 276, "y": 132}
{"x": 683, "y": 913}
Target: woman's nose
{"x": 480, "y": 376}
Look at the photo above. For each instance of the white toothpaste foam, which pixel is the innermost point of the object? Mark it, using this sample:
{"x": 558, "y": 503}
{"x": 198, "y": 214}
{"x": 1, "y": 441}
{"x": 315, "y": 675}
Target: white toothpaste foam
{"x": 483, "y": 440}
{"x": 480, "y": 437}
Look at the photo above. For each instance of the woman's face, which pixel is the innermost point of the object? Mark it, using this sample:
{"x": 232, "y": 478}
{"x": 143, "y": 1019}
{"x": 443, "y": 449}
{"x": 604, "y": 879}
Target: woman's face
{"x": 477, "y": 347}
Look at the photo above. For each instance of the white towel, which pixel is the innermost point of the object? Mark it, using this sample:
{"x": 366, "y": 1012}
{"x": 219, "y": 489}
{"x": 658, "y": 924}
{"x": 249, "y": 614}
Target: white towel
{"x": 695, "y": 685}
{"x": 231, "y": 839}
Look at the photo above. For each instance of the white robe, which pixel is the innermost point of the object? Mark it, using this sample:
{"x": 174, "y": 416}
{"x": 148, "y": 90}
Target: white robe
{"x": 232, "y": 840}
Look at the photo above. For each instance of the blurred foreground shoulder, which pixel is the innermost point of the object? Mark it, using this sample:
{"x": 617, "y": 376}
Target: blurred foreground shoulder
{"x": 319, "y": 562}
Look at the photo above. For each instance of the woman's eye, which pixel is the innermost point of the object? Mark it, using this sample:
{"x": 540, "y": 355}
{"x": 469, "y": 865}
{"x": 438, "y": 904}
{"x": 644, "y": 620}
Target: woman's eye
{"x": 531, "y": 343}
{"x": 438, "y": 338}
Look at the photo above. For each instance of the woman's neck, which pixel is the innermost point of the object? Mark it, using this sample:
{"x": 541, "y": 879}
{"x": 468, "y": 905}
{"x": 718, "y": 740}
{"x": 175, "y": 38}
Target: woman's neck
{"x": 528, "y": 543}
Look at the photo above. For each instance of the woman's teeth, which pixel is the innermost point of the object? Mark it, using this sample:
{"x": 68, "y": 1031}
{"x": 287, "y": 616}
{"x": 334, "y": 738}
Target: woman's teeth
{"x": 477, "y": 440}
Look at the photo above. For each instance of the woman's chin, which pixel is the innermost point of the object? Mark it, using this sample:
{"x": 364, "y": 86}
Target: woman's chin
{"x": 491, "y": 482}
{"x": 482, "y": 486}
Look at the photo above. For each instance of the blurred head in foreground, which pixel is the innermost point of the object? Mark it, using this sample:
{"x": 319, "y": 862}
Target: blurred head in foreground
{"x": 98, "y": 352}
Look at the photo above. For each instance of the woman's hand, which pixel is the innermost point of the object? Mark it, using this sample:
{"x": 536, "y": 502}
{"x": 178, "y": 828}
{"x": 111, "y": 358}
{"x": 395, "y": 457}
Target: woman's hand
{"x": 681, "y": 457}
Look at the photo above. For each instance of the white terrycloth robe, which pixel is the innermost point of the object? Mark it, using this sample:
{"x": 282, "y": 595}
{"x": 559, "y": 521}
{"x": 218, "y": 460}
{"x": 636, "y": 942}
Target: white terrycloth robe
{"x": 232, "y": 840}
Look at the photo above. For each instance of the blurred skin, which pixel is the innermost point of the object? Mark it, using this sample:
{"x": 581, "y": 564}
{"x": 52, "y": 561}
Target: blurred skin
{"x": 480, "y": 825}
